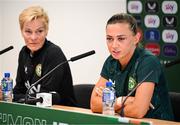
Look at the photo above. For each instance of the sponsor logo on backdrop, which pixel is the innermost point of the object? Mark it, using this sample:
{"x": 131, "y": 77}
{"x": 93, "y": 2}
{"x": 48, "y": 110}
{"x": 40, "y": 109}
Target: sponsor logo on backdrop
{"x": 152, "y": 35}
{"x": 170, "y": 50}
{"x": 153, "y": 47}
{"x": 135, "y": 7}
{"x": 152, "y": 21}
{"x": 151, "y": 7}
{"x": 170, "y": 36}
{"x": 169, "y": 21}
{"x": 169, "y": 7}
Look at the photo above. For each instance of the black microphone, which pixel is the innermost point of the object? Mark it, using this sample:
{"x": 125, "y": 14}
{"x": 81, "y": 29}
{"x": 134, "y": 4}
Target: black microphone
{"x": 34, "y": 100}
{"x": 5, "y": 50}
{"x": 177, "y": 61}
{"x": 82, "y": 55}
{"x": 71, "y": 59}
{"x": 129, "y": 94}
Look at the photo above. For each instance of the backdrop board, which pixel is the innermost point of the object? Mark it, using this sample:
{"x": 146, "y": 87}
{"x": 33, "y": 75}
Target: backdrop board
{"x": 158, "y": 21}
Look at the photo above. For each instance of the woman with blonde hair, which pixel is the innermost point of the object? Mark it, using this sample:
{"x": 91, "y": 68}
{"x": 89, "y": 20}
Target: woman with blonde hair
{"x": 38, "y": 57}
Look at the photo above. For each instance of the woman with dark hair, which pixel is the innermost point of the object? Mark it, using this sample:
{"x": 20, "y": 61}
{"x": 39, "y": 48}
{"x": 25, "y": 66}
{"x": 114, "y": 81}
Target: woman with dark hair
{"x": 128, "y": 65}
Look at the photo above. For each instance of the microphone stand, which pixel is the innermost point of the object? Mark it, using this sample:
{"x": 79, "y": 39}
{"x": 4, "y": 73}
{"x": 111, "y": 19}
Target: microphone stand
{"x": 27, "y": 92}
{"x": 129, "y": 94}
{"x": 71, "y": 59}
{"x": 172, "y": 63}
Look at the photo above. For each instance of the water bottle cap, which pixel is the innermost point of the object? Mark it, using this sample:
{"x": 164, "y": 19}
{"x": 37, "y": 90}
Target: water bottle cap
{"x": 7, "y": 74}
{"x": 108, "y": 84}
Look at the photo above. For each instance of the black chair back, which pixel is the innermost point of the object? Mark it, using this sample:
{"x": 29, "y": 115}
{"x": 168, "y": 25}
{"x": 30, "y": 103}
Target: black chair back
{"x": 83, "y": 94}
{"x": 175, "y": 102}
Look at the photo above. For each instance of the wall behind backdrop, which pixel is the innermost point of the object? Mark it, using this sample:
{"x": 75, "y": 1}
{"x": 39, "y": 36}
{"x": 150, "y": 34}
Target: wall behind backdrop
{"x": 77, "y": 26}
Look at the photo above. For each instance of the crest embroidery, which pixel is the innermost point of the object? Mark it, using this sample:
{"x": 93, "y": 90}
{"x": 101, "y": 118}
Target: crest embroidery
{"x": 38, "y": 70}
{"x": 132, "y": 83}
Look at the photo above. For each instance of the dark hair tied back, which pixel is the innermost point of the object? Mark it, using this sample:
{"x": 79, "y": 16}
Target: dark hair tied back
{"x": 124, "y": 18}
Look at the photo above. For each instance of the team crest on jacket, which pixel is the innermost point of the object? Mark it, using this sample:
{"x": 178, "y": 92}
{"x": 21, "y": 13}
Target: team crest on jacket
{"x": 38, "y": 70}
{"x": 132, "y": 83}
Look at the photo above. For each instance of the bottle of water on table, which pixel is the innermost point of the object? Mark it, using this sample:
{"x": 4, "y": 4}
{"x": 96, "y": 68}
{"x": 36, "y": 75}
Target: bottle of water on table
{"x": 7, "y": 87}
{"x": 108, "y": 99}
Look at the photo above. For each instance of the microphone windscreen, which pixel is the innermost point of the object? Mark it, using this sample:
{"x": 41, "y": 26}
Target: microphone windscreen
{"x": 82, "y": 55}
{"x": 5, "y": 50}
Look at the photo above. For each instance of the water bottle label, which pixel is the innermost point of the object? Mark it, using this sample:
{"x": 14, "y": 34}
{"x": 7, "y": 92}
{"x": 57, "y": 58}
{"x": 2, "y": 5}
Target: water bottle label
{"x": 7, "y": 85}
{"x": 112, "y": 96}
{"x": 108, "y": 96}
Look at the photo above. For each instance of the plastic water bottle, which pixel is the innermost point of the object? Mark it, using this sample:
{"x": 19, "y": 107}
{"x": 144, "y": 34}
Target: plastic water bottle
{"x": 7, "y": 87}
{"x": 108, "y": 99}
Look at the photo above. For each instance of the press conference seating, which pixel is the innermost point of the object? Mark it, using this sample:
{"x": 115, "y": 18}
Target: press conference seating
{"x": 83, "y": 94}
{"x": 175, "y": 102}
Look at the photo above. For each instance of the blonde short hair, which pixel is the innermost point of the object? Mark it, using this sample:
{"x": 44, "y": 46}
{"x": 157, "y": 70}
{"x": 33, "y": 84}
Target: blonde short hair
{"x": 33, "y": 13}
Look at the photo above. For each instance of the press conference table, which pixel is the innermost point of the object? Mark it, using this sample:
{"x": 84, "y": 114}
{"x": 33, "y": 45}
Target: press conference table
{"x": 154, "y": 121}
{"x": 21, "y": 114}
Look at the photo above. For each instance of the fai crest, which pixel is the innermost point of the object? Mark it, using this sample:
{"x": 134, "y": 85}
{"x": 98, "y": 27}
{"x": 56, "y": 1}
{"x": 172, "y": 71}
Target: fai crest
{"x": 38, "y": 70}
{"x": 132, "y": 83}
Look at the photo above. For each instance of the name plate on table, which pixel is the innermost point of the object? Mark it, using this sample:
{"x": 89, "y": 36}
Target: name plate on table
{"x": 22, "y": 114}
